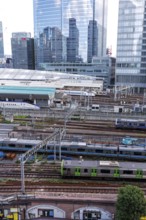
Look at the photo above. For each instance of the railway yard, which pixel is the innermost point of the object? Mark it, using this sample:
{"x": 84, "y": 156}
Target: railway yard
{"x": 77, "y": 133}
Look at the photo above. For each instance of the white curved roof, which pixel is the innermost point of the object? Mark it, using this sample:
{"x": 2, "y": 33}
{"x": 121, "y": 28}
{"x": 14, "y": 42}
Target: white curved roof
{"x": 51, "y": 79}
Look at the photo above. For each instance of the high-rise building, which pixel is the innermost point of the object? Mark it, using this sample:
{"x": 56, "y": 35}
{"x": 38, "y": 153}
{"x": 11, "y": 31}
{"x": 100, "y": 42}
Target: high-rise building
{"x": 73, "y": 42}
{"x": 131, "y": 45}
{"x": 92, "y": 40}
{"x": 57, "y": 14}
{"x": 1, "y": 41}
{"x": 51, "y": 45}
{"x": 22, "y": 50}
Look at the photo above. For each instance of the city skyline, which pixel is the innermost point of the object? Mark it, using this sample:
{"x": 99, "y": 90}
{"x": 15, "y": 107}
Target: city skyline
{"x": 71, "y": 18}
{"x": 24, "y": 21}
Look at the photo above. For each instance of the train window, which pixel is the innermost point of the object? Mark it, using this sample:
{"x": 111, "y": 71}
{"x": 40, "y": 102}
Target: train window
{"x": 64, "y": 148}
{"x": 127, "y": 172}
{"x": 121, "y": 152}
{"x": 28, "y": 146}
{"x": 68, "y": 169}
{"x": 137, "y": 153}
{"x": 64, "y": 169}
{"x": 141, "y": 124}
{"x": 85, "y": 170}
{"x": 99, "y": 151}
{"x": 104, "y": 171}
{"x": 81, "y": 149}
{"x": 12, "y": 145}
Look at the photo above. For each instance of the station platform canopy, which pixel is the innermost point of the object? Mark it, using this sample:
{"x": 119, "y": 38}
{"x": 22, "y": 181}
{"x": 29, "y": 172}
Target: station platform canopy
{"x": 35, "y": 81}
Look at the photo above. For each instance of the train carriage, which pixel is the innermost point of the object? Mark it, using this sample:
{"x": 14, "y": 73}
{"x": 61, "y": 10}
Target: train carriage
{"x": 130, "y": 124}
{"x": 73, "y": 149}
{"x": 103, "y": 169}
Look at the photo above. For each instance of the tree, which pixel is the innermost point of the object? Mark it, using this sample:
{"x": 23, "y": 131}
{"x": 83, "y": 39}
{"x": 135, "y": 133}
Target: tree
{"x": 131, "y": 204}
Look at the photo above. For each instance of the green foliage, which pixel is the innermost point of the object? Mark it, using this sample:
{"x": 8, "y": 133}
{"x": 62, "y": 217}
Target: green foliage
{"x": 131, "y": 204}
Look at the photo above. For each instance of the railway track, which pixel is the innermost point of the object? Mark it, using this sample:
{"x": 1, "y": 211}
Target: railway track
{"x": 45, "y": 171}
{"x": 5, "y": 189}
{"x": 92, "y": 126}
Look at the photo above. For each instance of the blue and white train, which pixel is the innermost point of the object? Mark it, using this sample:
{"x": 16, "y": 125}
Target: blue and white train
{"x": 130, "y": 124}
{"x": 76, "y": 149}
{"x": 78, "y": 93}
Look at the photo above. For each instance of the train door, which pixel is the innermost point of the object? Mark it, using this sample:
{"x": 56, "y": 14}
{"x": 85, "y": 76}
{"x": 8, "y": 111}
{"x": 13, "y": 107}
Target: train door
{"x": 93, "y": 172}
{"x": 116, "y": 173}
{"x": 77, "y": 171}
{"x": 139, "y": 174}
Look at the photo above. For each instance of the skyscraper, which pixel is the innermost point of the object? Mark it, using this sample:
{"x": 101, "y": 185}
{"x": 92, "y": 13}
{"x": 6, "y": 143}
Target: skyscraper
{"x": 57, "y": 14}
{"x": 131, "y": 45}
{"x": 1, "y": 41}
{"x": 22, "y": 50}
{"x": 51, "y": 45}
{"x": 92, "y": 40}
{"x": 72, "y": 41}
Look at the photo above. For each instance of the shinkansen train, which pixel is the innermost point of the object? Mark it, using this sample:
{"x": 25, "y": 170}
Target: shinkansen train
{"x": 130, "y": 124}
{"x": 78, "y": 93}
{"x": 17, "y": 105}
{"x": 103, "y": 169}
{"x": 76, "y": 149}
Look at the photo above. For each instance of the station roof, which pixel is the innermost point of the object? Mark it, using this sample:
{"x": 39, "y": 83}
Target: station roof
{"x": 34, "y": 80}
{"x": 26, "y": 90}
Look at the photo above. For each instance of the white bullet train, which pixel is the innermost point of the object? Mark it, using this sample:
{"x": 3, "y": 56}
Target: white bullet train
{"x": 17, "y": 105}
{"x": 78, "y": 93}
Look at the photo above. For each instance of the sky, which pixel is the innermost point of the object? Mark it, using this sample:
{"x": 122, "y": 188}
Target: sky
{"x": 17, "y": 16}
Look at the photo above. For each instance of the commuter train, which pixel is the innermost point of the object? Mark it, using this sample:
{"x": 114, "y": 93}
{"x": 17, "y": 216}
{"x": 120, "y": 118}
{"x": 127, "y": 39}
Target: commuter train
{"x": 17, "y": 105}
{"x": 103, "y": 169}
{"x": 76, "y": 149}
{"x": 130, "y": 124}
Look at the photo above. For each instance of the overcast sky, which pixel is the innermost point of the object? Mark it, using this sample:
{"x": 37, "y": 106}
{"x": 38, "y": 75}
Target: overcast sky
{"x": 17, "y": 15}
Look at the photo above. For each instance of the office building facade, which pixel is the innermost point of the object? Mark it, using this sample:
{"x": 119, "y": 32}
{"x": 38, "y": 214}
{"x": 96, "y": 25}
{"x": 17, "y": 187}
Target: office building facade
{"x": 22, "y": 51}
{"x": 52, "y": 46}
{"x": 131, "y": 45}
{"x": 73, "y": 42}
{"x": 101, "y": 67}
{"x": 92, "y": 40}
{"x": 1, "y": 41}
{"x": 60, "y": 14}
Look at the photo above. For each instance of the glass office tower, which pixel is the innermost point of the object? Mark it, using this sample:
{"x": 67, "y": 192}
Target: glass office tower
{"x": 59, "y": 14}
{"x": 131, "y": 45}
{"x": 1, "y": 41}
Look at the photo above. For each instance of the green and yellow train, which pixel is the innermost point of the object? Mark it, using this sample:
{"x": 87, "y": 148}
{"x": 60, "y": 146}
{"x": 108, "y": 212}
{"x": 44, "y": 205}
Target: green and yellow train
{"x": 103, "y": 169}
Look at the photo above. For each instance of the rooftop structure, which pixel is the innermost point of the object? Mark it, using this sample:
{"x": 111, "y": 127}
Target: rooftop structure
{"x": 46, "y": 79}
{"x": 39, "y": 87}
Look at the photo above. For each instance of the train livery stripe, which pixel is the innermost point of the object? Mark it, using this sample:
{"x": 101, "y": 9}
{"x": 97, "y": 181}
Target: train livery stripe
{"x": 116, "y": 173}
{"x": 139, "y": 174}
{"x": 77, "y": 171}
{"x": 62, "y": 165}
{"x": 94, "y": 172}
